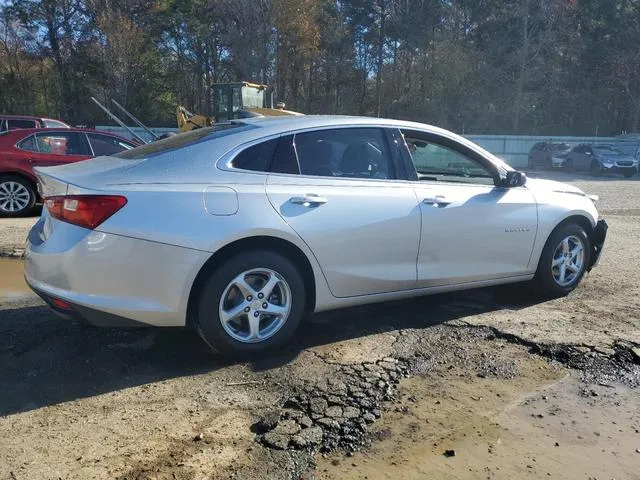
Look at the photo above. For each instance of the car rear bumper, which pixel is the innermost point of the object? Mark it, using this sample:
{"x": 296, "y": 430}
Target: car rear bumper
{"x": 598, "y": 236}
{"x": 109, "y": 279}
{"x": 72, "y": 311}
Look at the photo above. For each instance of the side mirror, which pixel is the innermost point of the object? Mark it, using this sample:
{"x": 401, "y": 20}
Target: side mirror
{"x": 515, "y": 179}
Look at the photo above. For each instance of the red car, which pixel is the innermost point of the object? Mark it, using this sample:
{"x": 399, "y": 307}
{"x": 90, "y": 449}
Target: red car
{"x": 21, "y": 150}
{"x": 11, "y": 122}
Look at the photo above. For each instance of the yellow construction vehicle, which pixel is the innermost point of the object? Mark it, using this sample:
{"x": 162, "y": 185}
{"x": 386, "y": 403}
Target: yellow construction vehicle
{"x": 231, "y": 101}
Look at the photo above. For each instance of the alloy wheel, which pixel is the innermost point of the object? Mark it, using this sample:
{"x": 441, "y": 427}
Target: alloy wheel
{"x": 14, "y": 197}
{"x": 255, "y": 305}
{"x": 568, "y": 261}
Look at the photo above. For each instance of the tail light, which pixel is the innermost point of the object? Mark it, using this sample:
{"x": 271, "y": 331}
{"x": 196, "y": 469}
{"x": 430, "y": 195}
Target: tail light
{"x": 86, "y": 211}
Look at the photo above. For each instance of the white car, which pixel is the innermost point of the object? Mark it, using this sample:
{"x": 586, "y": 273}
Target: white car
{"x": 238, "y": 230}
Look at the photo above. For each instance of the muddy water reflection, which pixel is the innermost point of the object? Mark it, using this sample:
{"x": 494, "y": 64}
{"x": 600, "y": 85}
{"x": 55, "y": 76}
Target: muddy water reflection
{"x": 12, "y": 284}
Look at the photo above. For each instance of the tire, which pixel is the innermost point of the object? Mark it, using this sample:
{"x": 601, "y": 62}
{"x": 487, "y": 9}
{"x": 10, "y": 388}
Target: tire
{"x": 17, "y": 196}
{"x": 548, "y": 277}
{"x": 568, "y": 166}
{"x": 256, "y": 267}
{"x": 629, "y": 174}
{"x": 595, "y": 168}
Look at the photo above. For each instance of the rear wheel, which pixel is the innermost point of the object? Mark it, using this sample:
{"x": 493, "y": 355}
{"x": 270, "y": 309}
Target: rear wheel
{"x": 253, "y": 302}
{"x": 563, "y": 261}
{"x": 17, "y": 196}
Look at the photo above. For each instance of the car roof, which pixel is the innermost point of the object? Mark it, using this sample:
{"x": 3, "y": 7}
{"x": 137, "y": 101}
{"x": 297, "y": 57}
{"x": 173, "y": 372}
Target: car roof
{"x": 288, "y": 124}
{"x": 29, "y": 131}
{"x": 28, "y": 117}
{"x": 19, "y": 133}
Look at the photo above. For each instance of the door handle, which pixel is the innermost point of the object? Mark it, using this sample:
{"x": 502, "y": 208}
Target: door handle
{"x": 308, "y": 200}
{"x": 437, "y": 201}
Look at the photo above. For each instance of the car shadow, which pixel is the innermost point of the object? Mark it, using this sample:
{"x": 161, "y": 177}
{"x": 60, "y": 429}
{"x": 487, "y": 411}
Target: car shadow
{"x": 46, "y": 360}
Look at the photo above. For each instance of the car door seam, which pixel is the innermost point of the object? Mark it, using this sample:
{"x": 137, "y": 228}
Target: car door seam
{"x": 266, "y": 183}
{"x": 420, "y": 232}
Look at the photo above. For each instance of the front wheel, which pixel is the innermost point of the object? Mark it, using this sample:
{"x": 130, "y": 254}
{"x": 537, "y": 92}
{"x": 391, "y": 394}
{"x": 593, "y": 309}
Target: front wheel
{"x": 563, "y": 261}
{"x": 253, "y": 302}
{"x": 17, "y": 196}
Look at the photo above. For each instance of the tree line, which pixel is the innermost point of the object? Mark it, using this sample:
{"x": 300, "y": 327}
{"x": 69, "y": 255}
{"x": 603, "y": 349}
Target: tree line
{"x": 555, "y": 67}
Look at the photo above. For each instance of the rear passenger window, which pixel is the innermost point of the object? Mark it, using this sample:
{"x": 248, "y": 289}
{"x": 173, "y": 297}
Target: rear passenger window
{"x": 257, "y": 157}
{"x": 63, "y": 143}
{"x": 105, "y": 145}
{"x": 20, "y": 123}
{"x": 28, "y": 144}
{"x": 344, "y": 153}
{"x": 284, "y": 159}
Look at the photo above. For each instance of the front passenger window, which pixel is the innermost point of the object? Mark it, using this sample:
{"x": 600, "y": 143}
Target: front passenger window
{"x": 437, "y": 162}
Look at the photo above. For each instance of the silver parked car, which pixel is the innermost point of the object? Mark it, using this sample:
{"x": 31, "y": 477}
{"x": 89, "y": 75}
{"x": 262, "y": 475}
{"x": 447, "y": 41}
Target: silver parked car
{"x": 240, "y": 229}
{"x": 598, "y": 159}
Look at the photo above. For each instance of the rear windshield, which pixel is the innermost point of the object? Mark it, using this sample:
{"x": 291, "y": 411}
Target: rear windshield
{"x": 183, "y": 139}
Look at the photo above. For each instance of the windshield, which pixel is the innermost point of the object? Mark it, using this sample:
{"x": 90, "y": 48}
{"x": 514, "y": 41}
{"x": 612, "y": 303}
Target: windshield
{"x": 183, "y": 139}
{"x": 561, "y": 147}
{"x": 252, "y": 97}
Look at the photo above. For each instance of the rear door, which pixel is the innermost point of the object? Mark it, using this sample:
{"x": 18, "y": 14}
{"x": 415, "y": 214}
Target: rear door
{"x": 342, "y": 191}
{"x": 57, "y": 148}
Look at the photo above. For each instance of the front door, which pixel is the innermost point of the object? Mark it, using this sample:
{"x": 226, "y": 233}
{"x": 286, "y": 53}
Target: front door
{"x": 471, "y": 229}
{"x": 344, "y": 201}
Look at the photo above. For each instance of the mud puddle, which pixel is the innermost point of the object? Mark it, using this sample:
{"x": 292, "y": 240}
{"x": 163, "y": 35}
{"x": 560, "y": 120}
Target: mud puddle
{"x": 542, "y": 424}
{"x": 12, "y": 284}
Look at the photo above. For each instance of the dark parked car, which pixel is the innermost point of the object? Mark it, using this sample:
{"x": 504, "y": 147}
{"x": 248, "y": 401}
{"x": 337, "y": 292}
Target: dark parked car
{"x": 21, "y": 150}
{"x": 12, "y": 122}
{"x": 541, "y": 153}
{"x": 600, "y": 158}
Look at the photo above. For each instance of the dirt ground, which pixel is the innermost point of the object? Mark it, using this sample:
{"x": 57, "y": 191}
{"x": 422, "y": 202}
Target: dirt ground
{"x": 492, "y": 383}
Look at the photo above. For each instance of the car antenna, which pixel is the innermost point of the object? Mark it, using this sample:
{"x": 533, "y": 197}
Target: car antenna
{"x": 118, "y": 121}
{"x": 138, "y": 122}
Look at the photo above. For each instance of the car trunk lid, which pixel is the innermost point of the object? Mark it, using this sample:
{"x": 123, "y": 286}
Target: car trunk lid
{"x": 75, "y": 177}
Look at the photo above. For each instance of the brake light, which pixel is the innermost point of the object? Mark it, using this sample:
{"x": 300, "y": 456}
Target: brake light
{"x": 86, "y": 211}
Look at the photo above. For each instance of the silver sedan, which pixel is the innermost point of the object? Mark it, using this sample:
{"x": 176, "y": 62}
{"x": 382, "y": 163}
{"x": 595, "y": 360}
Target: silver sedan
{"x": 240, "y": 229}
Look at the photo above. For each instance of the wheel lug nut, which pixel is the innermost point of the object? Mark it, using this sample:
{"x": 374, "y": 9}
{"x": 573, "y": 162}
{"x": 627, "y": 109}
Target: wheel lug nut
{"x": 249, "y": 298}
{"x": 264, "y": 305}
{"x": 247, "y": 309}
{"x": 260, "y": 295}
{"x": 255, "y": 314}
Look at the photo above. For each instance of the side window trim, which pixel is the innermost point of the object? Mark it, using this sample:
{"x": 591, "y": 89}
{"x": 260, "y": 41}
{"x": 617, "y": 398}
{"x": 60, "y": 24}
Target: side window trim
{"x": 86, "y": 139}
{"x": 451, "y": 144}
{"x": 282, "y": 138}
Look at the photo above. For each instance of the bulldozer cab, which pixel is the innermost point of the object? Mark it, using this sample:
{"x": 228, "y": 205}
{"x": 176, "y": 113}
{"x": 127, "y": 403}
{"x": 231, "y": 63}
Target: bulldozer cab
{"x": 239, "y": 100}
